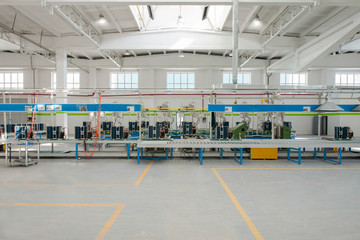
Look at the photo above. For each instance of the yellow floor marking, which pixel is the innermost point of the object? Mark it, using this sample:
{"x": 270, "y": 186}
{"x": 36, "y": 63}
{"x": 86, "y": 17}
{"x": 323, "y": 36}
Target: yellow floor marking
{"x": 104, "y": 230}
{"x": 289, "y": 168}
{"x": 239, "y": 208}
{"x": 137, "y": 183}
{"x": 109, "y": 223}
{"x": 143, "y": 174}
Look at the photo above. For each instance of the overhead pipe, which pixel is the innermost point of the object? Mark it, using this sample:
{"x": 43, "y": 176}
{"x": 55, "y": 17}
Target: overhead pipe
{"x": 235, "y": 28}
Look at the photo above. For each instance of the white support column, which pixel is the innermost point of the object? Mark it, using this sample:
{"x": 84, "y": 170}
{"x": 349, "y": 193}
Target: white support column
{"x": 61, "y": 80}
{"x": 93, "y": 82}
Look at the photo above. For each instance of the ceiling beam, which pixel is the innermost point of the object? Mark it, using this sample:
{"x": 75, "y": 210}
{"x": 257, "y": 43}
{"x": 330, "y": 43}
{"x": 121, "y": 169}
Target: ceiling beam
{"x": 111, "y": 16}
{"x": 322, "y": 21}
{"x": 177, "y": 40}
{"x": 330, "y": 40}
{"x": 249, "y": 18}
{"x": 33, "y": 16}
{"x": 184, "y": 2}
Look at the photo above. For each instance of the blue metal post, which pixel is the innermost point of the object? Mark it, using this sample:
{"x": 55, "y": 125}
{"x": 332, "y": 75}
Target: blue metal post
{"x": 40, "y": 135}
{"x": 201, "y": 156}
{"x": 171, "y": 153}
{"x": 340, "y": 155}
{"x": 138, "y": 155}
{"x": 142, "y": 151}
{"x": 235, "y": 154}
{"x": 76, "y": 150}
{"x": 324, "y": 153}
{"x": 315, "y": 153}
{"x": 241, "y": 156}
{"x": 221, "y": 153}
{"x": 133, "y": 147}
{"x": 167, "y": 153}
{"x": 288, "y": 154}
{"x": 299, "y": 156}
{"x": 128, "y": 150}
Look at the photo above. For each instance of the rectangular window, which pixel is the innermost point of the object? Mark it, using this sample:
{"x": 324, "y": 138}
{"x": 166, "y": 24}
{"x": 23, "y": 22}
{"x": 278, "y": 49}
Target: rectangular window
{"x": 180, "y": 80}
{"x": 293, "y": 79}
{"x": 124, "y": 81}
{"x": 72, "y": 80}
{"x": 347, "y": 79}
{"x": 11, "y": 80}
{"x": 243, "y": 78}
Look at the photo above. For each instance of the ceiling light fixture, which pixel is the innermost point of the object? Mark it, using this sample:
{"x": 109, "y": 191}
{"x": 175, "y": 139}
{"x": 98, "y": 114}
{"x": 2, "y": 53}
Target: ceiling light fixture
{"x": 257, "y": 21}
{"x": 101, "y": 19}
{"x": 180, "y": 20}
{"x": 127, "y": 53}
{"x": 181, "y": 55}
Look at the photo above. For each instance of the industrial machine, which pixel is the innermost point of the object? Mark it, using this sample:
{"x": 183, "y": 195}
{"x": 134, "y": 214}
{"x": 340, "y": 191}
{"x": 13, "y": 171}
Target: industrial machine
{"x": 21, "y": 132}
{"x": 81, "y": 132}
{"x": 239, "y": 131}
{"x": 117, "y": 132}
{"x": 154, "y": 132}
{"x": 54, "y": 132}
{"x": 221, "y": 132}
{"x": 343, "y": 133}
{"x": 106, "y": 126}
{"x": 133, "y": 126}
{"x": 187, "y": 128}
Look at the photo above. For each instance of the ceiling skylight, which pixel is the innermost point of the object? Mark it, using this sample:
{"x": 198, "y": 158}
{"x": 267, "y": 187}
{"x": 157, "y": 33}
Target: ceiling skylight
{"x": 175, "y": 16}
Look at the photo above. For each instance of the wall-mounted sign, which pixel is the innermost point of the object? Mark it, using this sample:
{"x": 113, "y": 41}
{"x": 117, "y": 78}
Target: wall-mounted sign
{"x": 50, "y": 107}
{"x": 130, "y": 109}
{"x": 228, "y": 109}
{"x": 41, "y": 107}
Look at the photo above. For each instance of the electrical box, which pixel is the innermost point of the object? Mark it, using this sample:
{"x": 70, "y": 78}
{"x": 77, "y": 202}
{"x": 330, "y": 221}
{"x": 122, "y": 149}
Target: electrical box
{"x": 154, "y": 132}
{"x": 133, "y": 126}
{"x": 106, "y": 126}
{"x": 117, "y": 132}
{"x": 343, "y": 133}
{"x": 21, "y": 132}
{"x": 145, "y": 124}
{"x": 264, "y": 153}
{"x": 53, "y": 132}
{"x": 10, "y": 128}
{"x": 221, "y": 132}
{"x": 187, "y": 128}
{"x": 80, "y": 132}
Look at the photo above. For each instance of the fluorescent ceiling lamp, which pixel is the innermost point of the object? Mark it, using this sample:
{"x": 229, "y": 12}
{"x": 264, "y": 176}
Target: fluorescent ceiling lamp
{"x": 181, "y": 55}
{"x": 329, "y": 106}
{"x": 127, "y": 53}
{"x": 205, "y": 12}
{"x": 150, "y": 11}
{"x": 101, "y": 20}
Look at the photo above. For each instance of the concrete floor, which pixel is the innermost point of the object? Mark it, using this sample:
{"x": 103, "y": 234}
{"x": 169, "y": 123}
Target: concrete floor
{"x": 179, "y": 199}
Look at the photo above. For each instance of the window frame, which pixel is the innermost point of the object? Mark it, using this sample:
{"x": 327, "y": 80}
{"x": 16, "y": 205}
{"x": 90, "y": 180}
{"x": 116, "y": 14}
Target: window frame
{"x": 240, "y": 76}
{"x": 122, "y": 80}
{"x": 178, "y": 82}
{"x": 342, "y": 79}
{"x": 72, "y": 87}
{"x": 7, "y": 85}
{"x": 289, "y": 79}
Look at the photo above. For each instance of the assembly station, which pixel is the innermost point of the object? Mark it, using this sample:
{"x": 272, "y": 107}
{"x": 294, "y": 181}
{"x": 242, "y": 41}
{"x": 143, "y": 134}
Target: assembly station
{"x": 159, "y": 120}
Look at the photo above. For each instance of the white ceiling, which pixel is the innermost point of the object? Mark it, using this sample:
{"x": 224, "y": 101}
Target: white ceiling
{"x": 47, "y": 28}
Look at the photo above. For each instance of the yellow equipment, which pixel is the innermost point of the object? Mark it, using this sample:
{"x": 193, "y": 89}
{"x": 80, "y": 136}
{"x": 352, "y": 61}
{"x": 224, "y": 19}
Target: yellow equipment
{"x": 264, "y": 153}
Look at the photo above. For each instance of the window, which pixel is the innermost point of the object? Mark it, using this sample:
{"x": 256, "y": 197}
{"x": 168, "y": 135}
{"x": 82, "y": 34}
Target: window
{"x": 124, "y": 81}
{"x": 180, "y": 80}
{"x": 243, "y": 78}
{"x": 293, "y": 79}
{"x": 347, "y": 79}
{"x": 11, "y": 80}
{"x": 72, "y": 80}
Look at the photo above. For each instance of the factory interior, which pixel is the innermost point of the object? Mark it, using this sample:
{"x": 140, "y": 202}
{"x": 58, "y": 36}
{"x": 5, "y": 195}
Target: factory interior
{"x": 222, "y": 119}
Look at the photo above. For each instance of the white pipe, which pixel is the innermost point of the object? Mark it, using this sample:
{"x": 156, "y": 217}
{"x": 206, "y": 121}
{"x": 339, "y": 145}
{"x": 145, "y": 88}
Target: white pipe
{"x": 235, "y": 28}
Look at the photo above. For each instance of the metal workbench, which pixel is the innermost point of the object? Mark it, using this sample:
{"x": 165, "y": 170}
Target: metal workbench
{"x": 239, "y": 145}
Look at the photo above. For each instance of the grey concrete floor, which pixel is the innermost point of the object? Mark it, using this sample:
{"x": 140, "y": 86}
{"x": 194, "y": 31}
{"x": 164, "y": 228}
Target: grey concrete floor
{"x": 179, "y": 199}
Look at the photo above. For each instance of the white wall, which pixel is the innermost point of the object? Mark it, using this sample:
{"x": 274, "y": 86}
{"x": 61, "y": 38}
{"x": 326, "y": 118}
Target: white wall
{"x": 153, "y": 76}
